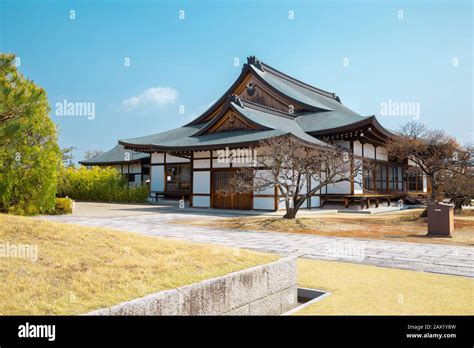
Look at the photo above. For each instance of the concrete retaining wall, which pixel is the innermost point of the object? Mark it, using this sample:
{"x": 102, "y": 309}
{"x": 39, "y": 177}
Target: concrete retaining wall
{"x": 268, "y": 289}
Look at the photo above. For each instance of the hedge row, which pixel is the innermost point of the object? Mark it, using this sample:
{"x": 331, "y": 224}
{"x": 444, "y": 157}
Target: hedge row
{"x": 98, "y": 184}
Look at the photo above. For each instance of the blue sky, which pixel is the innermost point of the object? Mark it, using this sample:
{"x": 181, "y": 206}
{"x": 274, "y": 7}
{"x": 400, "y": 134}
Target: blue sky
{"x": 190, "y": 61}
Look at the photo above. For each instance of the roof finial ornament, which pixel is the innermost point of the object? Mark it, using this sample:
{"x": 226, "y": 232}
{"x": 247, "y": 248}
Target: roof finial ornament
{"x": 252, "y": 60}
{"x": 236, "y": 99}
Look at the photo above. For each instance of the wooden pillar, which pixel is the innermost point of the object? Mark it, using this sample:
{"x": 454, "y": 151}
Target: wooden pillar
{"x": 276, "y": 199}
{"x": 128, "y": 176}
{"x": 165, "y": 177}
{"x": 352, "y": 166}
{"x": 191, "y": 178}
{"x": 388, "y": 177}
{"x": 211, "y": 188}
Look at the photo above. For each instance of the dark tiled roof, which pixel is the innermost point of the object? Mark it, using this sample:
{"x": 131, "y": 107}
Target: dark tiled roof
{"x": 115, "y": 156}
{"x": 324, "y": 111}
{"x": 329, "y": 111}
{"x": 187, "y": 137}
{"x": 327, "y": 120}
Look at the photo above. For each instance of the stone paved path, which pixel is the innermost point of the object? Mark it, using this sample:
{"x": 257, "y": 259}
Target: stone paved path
{"x": 455, "y": 260}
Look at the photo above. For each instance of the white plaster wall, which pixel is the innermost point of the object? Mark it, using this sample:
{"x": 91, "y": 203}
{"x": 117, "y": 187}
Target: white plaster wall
{"x": 357, "y": 148}
{"x": 315, "y": 202}
{"x": 134, "y": 168}
{"x": 344, "y": 143}
{"x": 176, "y": 159}
{"x": 259, "y": 174}
{"x": 244, "y": 157}
{"x": 216, "y": 164}
{"x": 382, "y": 154}
{"x": 202, "y": 154}
{"x": 201, "y": 201}
{"x": 137, "y": 168}
{"x": 425, "y": 183}
{"x": 304, "y": 184}
{"x": 157, "y": 157}
{"x": 202, "y": 163}
{"x": 358, "y": 187}
{"x": 343, "y": 187}
{"x": 264, "y": 203}
{"x": 242, "y": 164}
{"x": 157, "y": 182}
{"x": 201, "y": 182}
{"x": 315, "y": 183}
{"x": 369, "y": 151}
{"x": 281, "y": 203}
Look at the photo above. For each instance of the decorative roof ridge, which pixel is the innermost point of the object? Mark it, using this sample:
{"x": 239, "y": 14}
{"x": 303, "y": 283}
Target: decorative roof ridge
{"x": 321, "y": 113}
{"x": 252, "y": 60}
{"x": 300, "y": 83}
{"x": 234, "y": 98}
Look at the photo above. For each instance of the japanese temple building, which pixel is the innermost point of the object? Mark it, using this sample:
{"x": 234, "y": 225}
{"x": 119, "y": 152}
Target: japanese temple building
{"x": 264, "y": 103}
{"x": 134, "y": 166}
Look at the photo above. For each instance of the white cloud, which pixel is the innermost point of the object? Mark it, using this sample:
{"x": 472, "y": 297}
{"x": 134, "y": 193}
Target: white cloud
{"x": 154, "y": 96}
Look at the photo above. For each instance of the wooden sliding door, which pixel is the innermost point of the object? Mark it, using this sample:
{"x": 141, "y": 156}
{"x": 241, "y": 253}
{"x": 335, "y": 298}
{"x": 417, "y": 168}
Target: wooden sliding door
{"x": 222, "y": 180}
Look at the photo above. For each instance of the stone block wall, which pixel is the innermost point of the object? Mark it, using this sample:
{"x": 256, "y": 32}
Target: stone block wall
{"x": 268, "y": 289}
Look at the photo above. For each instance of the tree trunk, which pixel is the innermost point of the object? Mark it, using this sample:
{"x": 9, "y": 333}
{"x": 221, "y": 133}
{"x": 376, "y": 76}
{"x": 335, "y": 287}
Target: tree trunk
{"x": 291, "y": 212}
{"x": 288, "y": 209}
{"x": 431, "y": 198}
{"x": 434, "y": 193}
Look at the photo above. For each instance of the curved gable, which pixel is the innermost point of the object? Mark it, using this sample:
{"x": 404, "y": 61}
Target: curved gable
{"x": 251, "y": 86}
{"x": 230, "y": 119}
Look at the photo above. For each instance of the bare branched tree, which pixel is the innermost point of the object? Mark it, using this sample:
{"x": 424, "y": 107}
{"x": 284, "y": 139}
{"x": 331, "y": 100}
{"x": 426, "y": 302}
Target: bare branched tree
{"x": 460, "y": 190}
{"x": 296, "y": 169}
{"x": 433, "y": 151}
{"x": 458, "y": 185}
{"x": 92, "y": 153}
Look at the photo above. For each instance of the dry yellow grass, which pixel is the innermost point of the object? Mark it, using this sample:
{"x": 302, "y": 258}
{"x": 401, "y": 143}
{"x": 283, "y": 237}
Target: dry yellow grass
{"x": 406, "y": 226}
{"x": 370, "y": 290}
{"x": 80, "y": 269}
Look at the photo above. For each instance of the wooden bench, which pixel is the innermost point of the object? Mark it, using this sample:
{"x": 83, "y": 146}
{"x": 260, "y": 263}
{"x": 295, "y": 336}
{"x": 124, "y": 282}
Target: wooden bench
{"x": 364, "y": 199}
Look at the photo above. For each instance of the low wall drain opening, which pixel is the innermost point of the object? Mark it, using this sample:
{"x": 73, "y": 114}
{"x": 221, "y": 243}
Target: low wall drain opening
{"x": 306, "y": 297}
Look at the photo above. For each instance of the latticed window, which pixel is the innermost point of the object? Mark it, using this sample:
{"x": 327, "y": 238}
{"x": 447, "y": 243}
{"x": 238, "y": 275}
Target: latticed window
{"x": 368, "y": 179}
{"x": 396, "y": 178}
{"x": 221, "y": 181}
{"x": 415, "y": 181}
{"x": 178, "y": 177}
{"x": 381, "y": 172}
{"x": 224, "y": 196}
